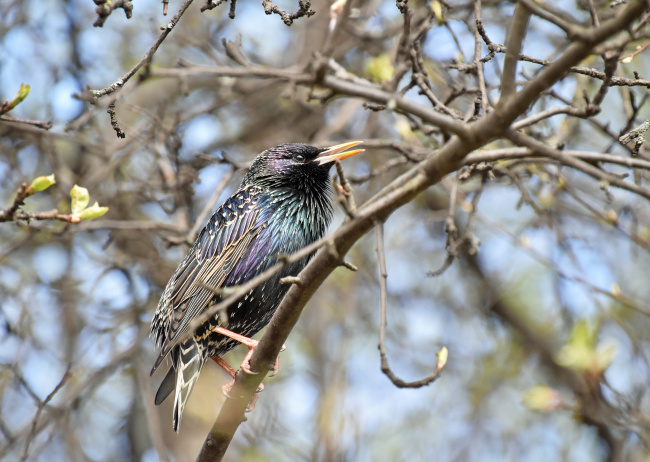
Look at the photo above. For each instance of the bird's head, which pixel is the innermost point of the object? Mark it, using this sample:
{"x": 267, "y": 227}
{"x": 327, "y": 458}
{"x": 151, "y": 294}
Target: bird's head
{"x": 298, "y": 166}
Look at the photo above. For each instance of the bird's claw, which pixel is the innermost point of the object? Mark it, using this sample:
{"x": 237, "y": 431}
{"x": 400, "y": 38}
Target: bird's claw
{"x": 252, "y": 403}
{"x": 226, "y": 388}
{"x": 246, "y": 367}
{"x": 251, "y": 344}
{"x": 276, "y": 364}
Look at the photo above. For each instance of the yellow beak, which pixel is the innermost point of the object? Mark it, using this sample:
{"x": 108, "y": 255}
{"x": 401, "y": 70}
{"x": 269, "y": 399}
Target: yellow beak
{"x": 338, "y": 152}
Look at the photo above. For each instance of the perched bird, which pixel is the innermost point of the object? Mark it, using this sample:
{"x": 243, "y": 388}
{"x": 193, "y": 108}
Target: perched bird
{"x": 282, "y": 205}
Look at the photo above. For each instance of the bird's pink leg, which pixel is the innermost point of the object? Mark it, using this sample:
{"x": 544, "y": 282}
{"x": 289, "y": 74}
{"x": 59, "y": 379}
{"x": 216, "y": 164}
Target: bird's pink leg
{"x": 251, "y": 344}
{"x": 224, "y": 365}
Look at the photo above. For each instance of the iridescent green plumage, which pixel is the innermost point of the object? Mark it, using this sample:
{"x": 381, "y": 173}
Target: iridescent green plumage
{"x": 282, "y": 205}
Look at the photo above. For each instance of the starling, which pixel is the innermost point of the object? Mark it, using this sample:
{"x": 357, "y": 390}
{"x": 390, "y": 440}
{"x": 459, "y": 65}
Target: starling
{"x": 282, "y": 205}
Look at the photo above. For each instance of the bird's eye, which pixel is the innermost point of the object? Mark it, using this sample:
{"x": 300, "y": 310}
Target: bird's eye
{"x": 299, "y": 158}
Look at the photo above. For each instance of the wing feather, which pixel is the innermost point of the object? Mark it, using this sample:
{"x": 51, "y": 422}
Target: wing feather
{"x": 221, "y": 244}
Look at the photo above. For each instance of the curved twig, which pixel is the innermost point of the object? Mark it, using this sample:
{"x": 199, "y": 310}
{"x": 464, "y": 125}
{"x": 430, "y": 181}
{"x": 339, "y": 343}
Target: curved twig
{"x": 385, "y": 368}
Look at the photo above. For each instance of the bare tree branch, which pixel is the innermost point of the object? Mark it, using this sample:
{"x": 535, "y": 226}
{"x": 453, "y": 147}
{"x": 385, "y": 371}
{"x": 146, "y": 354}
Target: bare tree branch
{"x": 516, "y": 36}
{"x": 378, "y": 209}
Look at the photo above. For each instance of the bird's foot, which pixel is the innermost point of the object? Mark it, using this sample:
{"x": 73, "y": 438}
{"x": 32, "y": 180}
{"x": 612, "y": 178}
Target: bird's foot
{"x": 227, "y": 388}
{"x": 341, "y": 190}
{"x": 276, "y": 365}
{"x": 232, "y": 373}
{"x": 251, "y": 344}
{"x": 245, "y": 365}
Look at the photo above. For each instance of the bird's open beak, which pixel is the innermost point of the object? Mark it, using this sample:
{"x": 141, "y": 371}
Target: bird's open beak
{"x": 338, "y": 152}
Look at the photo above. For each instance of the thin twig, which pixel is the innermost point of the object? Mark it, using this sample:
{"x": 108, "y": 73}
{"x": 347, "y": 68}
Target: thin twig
{"x": 24, "y": 191}
{"x": 480, "y": 76}
{"x": 385, "y": 368}
{"x": 96, "y": 94}
{"x": 304, "y": 9}
{"x": 50, "y": 215}
{"x": 41, "y": 406}
{"x": 114, "y": 123}
{"x": 637, "y": 134}
{"x": 36, "y": 123}
{"x": 595, "y": 172}
{"x": 105, "y": 8}
{"x": 339, "y": 22}
{"x": 452, "y": 232}
{"x": 348, "y": 202}
{"x": 494, "y": 155}
{"x": 153, "y": 422}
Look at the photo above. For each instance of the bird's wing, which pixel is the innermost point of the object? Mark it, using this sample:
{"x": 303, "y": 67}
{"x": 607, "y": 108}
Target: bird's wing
{"x": 220, "y": 245}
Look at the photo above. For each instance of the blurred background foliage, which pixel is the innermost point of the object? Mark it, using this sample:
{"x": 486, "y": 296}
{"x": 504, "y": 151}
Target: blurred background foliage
{"x": 549, "y": 293}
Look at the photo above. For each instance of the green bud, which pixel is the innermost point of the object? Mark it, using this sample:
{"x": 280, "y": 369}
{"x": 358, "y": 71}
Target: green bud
{"x": 80, "y": 199}
{"x": 43, "y": 182}
{"x": 436, "y": 7}
{"x": 442, "y": 355}
{"x": 582, "y": 352}
{"x": 543, "y": 399}
{"x": 23, "y": 91}
{"x": 93, "y": 212}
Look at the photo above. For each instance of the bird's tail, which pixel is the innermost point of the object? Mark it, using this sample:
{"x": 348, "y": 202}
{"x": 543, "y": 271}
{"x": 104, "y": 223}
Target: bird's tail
{"x": 188, "y": 363}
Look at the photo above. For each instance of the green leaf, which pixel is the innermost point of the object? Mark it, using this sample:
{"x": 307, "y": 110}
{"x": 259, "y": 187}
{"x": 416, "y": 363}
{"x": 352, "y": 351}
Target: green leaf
{"x": 23, "y": 91}
{"x": 80, "y": 199}
{"x": 43, "y": 182}
{"x": 93, "y": 212}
